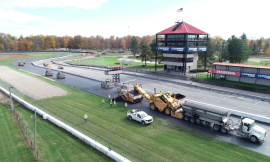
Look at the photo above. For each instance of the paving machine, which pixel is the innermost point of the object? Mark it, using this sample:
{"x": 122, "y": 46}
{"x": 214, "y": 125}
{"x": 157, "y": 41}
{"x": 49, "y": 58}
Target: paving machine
{"x": 60, "y": 67}
{"x": 130, "y": 96}
{"x": 47, "y": 65}
{"x": 204, "y": 114}
{"x": 20, "y": 63}
{"x": 107, "y": 84}
{"x": 124, "y": 86}
{"x": 60, "y": 75}
{"x": 162, "y": 102}
{"x": 48, "y": 72}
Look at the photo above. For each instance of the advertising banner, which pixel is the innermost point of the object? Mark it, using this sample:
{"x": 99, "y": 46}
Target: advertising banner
{"x": 249, "y": 75}
{"x": 197, "y": 49}
{"x": 181, "y": 49}
{"x": 262, "y": 76}
{"x": 224, "y": 72}
{"x": 177, "y": 49}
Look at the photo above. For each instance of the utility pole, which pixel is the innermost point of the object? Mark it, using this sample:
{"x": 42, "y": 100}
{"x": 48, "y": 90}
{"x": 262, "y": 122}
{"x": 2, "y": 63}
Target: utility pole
{"x": 35, "y": 128}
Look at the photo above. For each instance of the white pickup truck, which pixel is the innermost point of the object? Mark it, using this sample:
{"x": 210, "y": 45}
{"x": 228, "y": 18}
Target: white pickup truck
{"x": 140, "y": 116}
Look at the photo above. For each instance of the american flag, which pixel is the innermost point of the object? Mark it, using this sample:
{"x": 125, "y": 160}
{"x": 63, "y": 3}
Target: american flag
{"x": 180, "y": 10}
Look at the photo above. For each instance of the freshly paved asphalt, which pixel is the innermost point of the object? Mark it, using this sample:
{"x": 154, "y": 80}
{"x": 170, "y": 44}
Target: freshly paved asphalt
{"x": 94, "y": 87}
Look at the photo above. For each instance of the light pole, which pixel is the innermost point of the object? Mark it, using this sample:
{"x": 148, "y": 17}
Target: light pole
{"x": 11, "y": 103}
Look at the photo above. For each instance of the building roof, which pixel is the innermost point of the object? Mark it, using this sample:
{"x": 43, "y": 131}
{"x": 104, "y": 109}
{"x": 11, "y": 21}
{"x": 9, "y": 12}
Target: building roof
{"x": 182, "y": 29}
{"x": 242, "y": 65}
{"x": 113, "y": 66}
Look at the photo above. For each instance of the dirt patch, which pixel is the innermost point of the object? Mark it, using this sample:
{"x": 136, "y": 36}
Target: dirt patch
{"x": 3, "y": 98}
{"x": 30, "y": 86}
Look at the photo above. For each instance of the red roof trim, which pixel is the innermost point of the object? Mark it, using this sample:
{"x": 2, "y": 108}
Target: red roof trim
{"x": 183, "y": 29}
{"x": 242, "y": 65}
{"x": 113, "y": 66}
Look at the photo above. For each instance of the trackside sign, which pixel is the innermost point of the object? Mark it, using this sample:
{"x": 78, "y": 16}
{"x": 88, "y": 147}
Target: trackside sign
{"x": 224, "y": 72}
{"x": 177, "y": 49}
{"x": 181, "y": 49}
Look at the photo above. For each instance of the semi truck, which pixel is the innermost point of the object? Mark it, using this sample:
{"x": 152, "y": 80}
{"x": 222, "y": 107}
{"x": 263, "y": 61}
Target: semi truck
{"x": 130, "y": 96}
{"x": 203, "y": 114}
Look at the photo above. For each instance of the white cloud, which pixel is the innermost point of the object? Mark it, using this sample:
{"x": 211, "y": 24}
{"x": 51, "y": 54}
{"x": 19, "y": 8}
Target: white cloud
{"x": 85, "y": 4}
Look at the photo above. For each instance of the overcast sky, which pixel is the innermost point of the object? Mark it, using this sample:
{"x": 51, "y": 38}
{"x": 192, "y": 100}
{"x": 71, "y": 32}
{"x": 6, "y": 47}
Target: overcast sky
{"x": 143, "y": 17}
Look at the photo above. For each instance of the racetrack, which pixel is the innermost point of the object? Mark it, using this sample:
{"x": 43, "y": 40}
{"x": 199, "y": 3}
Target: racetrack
{"x": 194, "y": 94}
{"x": 30, "y": 86}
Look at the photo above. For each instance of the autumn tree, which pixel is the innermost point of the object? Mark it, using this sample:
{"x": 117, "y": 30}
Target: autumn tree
{"x": 123, "y": 44}
{"x": 210, "y": 53}
{"x": 78, "y": 41}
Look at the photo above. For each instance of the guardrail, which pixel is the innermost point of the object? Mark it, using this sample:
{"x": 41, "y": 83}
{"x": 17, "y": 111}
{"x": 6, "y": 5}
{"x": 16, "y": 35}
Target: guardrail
{"x": 110, "y": 153}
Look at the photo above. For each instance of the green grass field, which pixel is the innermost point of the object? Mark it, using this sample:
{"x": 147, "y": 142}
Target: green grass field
{"x": 261, "y": 63}
{"x": 13, "y": 147}
{"x": 110, "y": 61}
{"x": 161, "y": 138}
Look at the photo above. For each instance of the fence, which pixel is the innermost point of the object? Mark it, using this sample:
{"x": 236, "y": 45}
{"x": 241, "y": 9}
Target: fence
{"x": 130, "y": 148}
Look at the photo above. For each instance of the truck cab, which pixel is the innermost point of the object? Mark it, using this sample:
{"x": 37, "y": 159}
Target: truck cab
{"x": 254, "y": 132}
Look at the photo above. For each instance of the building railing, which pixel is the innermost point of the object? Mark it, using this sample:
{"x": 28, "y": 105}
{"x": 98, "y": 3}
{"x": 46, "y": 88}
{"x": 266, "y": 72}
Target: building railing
{"x": 182, "y": 39}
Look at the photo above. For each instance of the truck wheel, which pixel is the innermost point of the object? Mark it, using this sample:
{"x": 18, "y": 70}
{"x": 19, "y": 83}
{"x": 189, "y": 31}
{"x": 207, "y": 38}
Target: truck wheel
{"x": 152, "y": 107}
{"x": 143, "y": 122}
{"x": 204, "y": 123}
{"x": 192, "y": 120}
{"x": 253, "y": 139}
{"x": 198, "y": 121}
{"x": 224, "y": 130}
{"x": 186, "y": 118}
{"x": 216, "y": 127}
{"x": 168, "y": 111}
{"x": 130, "y": 118}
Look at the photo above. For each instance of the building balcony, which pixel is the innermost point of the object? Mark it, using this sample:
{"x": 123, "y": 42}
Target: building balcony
{"x": 177, "y": 55}
{"x": 173, "y": 40}
{"x": 176, "y": 63}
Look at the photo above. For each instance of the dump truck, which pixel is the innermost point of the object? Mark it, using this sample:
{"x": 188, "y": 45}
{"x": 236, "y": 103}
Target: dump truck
{"x": 209, "y": 115}
{"x": 124, "y": 86}
{"x": 20, "y": 63}
{"x": 48, "y": 72}
{"x": 47, "y": 65}
{"x": 107, "y": 84}
{"x": 163, "y": 102}
{"x": 60, "y": 67}
{"x": 129, "y": 96}
{"x": 206, "y": 115}
{"x": 60, "y": 75}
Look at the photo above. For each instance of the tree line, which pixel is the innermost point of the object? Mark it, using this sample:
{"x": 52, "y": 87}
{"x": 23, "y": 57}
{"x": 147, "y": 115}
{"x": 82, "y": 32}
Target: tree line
{"x": 235, "y": 49}
{"x": 42, "y": 42}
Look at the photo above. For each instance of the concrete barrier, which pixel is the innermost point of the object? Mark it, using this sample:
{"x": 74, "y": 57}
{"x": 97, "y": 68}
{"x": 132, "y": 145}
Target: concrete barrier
{"x": 115, "y": 156}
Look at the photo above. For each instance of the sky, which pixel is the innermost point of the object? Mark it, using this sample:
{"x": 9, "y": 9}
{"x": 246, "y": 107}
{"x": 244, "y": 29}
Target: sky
{"x": 135, "y": 17}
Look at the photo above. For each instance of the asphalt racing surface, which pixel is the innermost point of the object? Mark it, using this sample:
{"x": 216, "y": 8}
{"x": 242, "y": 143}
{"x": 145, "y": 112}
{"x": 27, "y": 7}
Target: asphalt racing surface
{"x": 94, "y": 87}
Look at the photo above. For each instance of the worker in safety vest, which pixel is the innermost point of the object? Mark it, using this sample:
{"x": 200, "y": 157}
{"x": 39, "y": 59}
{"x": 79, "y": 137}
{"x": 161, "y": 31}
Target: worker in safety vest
{"x": 126, "y": 108}
{"x": 85, "y": 118}
{"x": 114, "y": 103}
{"x": 168, "y": 92}
{"x": 103, "y": 101}
{"x": 111, "y": 103}
{"x": 109, "y": 96}
{"x": 160, "y": 92}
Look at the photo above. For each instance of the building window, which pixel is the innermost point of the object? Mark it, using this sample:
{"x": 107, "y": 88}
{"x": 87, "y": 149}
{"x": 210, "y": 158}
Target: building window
{"x": 179, "y": 60}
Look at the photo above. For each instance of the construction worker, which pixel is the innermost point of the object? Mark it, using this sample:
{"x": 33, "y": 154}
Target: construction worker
{"x": 85, "y": 118}
{"x": 103, "y": 101}
{"x": 126, "y": 108}
{"x": 109, "y": 96}
{"x": 111, "y": 103}
{"x": 114, "y": 103}
{"x": 168, "y": 92}
{"x": 160, "y": 92}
